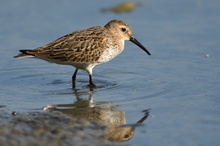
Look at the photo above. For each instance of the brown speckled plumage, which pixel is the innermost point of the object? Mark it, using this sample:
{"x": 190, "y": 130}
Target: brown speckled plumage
{"x": 86, "y": 48}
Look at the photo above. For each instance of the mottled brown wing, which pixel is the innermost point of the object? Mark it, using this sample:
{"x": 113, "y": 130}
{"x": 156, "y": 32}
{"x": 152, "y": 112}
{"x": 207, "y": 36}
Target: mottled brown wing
{"x": 82, "y": 46}
{"x": 80, "y": 49}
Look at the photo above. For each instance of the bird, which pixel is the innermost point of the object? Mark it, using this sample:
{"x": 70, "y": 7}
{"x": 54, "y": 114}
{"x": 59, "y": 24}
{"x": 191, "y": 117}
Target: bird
{"x": 86, "y": 48}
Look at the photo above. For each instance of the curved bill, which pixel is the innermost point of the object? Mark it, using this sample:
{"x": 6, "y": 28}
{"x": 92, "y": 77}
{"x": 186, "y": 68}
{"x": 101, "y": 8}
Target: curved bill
{"x": 133, "y": 40}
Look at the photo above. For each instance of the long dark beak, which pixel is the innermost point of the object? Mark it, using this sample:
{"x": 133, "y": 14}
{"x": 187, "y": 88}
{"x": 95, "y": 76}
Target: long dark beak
{"x": 133, "y": 40}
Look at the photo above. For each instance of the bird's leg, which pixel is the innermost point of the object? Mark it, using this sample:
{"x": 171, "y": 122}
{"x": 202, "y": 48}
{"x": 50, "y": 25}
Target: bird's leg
{"x": 91, "y": 84}
{"x": 74, "y": 78}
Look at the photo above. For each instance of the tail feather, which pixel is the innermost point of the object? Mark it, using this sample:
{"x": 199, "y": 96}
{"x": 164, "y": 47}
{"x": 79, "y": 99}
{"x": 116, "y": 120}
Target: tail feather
{"x": 24, "y": 54}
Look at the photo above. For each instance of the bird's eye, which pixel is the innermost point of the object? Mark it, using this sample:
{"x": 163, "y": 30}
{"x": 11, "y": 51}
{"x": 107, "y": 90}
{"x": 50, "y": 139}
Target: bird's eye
{"x": 123, "y": 29}
{"x": 126, "y": 136}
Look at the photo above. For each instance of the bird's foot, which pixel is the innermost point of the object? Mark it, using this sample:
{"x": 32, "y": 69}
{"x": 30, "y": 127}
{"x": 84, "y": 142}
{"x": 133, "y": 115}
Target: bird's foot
{"x": 92, "y": 85}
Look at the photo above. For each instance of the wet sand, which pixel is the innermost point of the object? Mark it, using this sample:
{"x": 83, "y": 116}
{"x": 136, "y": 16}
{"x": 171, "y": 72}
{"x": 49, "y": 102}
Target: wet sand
{"x": 50, "y": 128}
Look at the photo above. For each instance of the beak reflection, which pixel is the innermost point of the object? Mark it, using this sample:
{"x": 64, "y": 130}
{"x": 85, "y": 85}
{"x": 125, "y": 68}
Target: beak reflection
{"x": 103, "y": 112}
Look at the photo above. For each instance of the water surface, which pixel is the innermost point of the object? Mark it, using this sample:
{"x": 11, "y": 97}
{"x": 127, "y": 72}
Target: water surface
{"x": 179, "y": 82}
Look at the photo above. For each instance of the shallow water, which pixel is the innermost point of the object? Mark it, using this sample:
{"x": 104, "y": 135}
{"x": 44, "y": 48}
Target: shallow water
{"x": 179, "y": 82}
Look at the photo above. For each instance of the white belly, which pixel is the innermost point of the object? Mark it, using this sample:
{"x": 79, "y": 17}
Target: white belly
{"x": 111, "y": 52}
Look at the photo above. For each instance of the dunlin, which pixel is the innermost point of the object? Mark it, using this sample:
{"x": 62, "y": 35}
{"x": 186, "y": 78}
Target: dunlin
{"x": 86, "y": 48}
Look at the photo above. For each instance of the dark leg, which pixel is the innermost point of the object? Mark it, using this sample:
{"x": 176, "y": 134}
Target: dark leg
{"x": 74, "y": 78}
{"x": 91, "y": 84}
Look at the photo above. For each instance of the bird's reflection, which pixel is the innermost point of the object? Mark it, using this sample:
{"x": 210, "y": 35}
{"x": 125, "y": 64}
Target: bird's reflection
{"x": 103, "y": 112}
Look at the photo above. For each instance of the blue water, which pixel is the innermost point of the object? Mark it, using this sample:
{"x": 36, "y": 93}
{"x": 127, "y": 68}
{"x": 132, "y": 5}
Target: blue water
{"x": 179, "y": 82}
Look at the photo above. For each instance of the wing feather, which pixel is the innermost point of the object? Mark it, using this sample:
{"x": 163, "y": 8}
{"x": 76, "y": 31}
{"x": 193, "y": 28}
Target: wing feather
{"x": 81, "y": 46}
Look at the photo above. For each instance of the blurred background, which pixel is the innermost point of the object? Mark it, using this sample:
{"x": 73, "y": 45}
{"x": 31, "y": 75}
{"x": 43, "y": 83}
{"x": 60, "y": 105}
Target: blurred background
{"x": 179, "y": 82}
